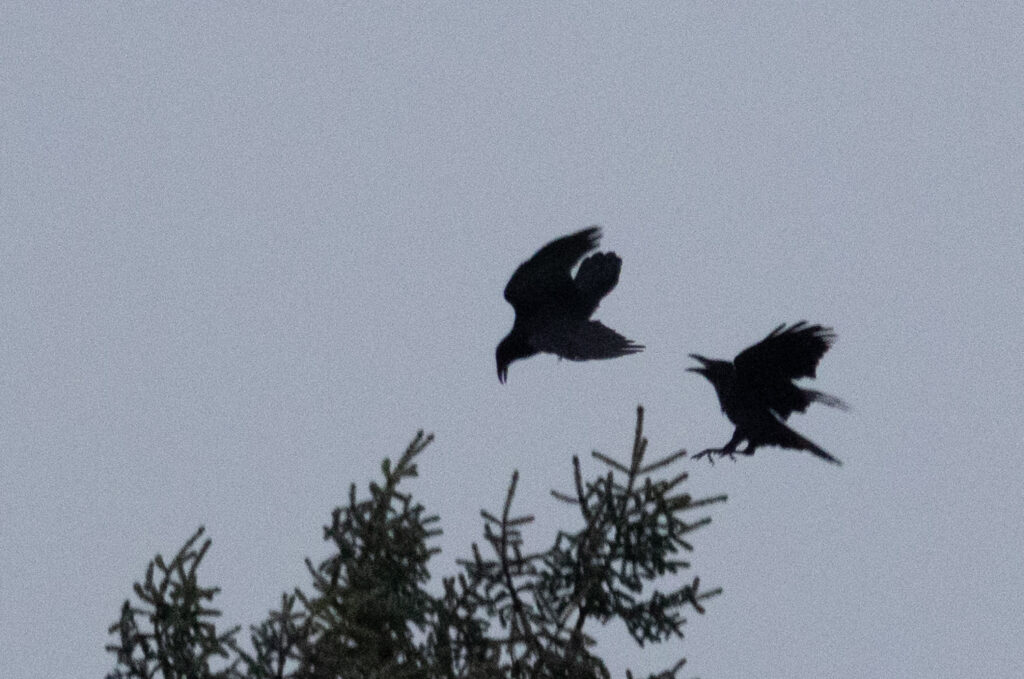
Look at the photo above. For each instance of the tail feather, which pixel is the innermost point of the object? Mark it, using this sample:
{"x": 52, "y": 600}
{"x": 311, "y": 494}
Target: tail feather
{"x": 584, "y": 341}
{"x": 787, "y": 438}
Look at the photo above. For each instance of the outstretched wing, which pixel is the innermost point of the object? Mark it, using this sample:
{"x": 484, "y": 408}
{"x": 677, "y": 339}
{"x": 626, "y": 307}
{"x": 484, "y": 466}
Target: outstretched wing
{"x": 546, "y": 275}
{"x": 582, "y": 340}
{"x": 785, "y": 354}
{"x": 766, "y": 370}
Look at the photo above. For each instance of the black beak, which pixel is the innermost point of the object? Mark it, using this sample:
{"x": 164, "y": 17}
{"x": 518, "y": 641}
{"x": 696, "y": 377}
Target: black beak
{"x": 502, "y": 373}
{"x": 700, "y": 370}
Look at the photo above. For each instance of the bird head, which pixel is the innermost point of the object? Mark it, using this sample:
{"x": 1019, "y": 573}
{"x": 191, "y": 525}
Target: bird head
{"x": 713, "y": 370}
{"x": 512, "y": 348}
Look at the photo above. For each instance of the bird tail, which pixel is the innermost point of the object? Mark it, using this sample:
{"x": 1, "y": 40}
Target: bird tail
{"x": 787, "y": 438}
{"x": 598, "y": 275}
{"x": 583, "y": 341}
{"x": 828, "y": 399}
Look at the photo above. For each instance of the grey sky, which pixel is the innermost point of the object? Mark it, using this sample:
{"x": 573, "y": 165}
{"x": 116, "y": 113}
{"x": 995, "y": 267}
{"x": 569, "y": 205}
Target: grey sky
{"x": 246, "y": 253}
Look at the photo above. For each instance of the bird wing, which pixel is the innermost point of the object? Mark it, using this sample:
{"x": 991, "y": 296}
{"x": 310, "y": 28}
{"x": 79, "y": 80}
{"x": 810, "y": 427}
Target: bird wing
{"x": 582, "y": 340}
{"x": 785, "y": 354}
{"x": 547, "y": 273}
{"x": 767, "y": 369}
{"x": 597, "y": 276}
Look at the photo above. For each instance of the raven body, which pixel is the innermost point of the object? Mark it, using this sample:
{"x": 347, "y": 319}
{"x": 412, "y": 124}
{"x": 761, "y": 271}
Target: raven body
{"x": 757, "y": 393}
{"x": 553, "y": 308}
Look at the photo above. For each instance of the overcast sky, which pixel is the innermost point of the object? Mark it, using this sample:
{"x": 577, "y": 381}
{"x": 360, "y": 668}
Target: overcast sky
{"x": 248, "y": 252}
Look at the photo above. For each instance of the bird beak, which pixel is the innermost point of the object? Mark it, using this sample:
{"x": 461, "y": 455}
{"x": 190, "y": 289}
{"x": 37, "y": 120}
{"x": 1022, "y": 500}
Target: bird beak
{"x": 700, "y": 370}
{"x": 502, "y": 373}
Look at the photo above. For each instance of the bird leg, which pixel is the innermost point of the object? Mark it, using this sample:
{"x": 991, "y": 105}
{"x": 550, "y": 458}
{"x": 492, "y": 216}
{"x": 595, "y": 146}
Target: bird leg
{"x": 729, "y": 450}
{"x": 721, "y": 452}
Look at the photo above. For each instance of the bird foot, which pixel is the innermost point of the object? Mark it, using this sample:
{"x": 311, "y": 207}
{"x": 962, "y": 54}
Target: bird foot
{"x": 721, "y": 452}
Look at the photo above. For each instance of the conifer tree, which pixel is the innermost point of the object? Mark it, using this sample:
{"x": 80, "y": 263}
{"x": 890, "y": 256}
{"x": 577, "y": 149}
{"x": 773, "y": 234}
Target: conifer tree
{"x": 506, "y": 614}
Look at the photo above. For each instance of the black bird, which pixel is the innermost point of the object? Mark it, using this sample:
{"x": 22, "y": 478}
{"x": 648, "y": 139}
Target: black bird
{"x": 553, "y": 308}
{"x": 757, "y": 393}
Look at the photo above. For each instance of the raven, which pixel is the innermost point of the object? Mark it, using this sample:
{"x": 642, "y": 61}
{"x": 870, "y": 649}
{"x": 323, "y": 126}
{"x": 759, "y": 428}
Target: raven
{"x": 757, "y": 393}
{"x": 553, "y": 308}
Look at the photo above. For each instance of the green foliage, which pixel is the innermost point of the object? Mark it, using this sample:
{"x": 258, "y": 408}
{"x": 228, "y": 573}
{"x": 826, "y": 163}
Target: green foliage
{"x": 180, "y": 638}
{"x": 505, "y": 615}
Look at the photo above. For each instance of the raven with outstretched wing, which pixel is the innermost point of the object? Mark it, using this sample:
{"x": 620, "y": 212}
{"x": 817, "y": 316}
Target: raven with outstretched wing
{"x": 553, "y": 307}
{"x": 757, "y": 393}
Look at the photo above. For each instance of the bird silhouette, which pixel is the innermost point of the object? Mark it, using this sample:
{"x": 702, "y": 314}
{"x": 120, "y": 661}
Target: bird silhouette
{"x": 757, "y": 393}
{"x": 553, "y": 308}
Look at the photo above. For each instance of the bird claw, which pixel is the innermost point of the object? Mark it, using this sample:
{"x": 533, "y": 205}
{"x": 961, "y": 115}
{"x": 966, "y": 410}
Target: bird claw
{"x": 721, "y": 452}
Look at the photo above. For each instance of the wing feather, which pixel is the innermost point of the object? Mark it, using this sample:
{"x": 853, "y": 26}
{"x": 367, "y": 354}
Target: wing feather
{"x": 786, "y": 353}
{"x": 597, "y": 276}
{"x": 547, "y": 274}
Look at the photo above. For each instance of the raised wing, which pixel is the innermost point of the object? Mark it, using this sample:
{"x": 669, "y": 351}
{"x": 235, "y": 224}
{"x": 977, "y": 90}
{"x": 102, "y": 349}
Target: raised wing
{"x": 597, "y": 276}
{"x": 785, "y": 354}
{"x": 582, "y": 340}
{"x": 547, "y": 273}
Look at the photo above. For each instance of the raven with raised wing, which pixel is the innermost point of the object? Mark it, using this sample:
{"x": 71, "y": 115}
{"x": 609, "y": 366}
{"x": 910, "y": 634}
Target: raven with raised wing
{"x": 757, "y": 393}
{"x": 553, "y": 307}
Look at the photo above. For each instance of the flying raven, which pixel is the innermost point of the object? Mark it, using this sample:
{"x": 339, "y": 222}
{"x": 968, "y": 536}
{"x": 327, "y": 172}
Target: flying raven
{"x": 553, "y": 308}
{"x": 757, "y": 393}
